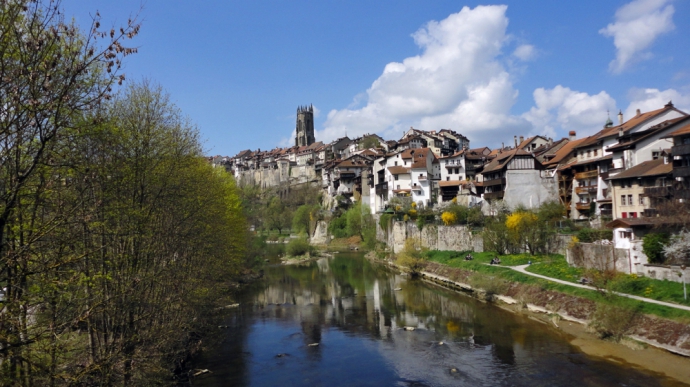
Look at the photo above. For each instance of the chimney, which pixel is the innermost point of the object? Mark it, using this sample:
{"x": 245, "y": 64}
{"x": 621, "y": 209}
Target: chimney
{"x": 620, "y": 117}
{"x": 514, "y": 138}
{"x": 637, "y": 113}
{"x": 620, "y": 131}
{"x": 522, "y": 138}
{"x": 572, "y": 135}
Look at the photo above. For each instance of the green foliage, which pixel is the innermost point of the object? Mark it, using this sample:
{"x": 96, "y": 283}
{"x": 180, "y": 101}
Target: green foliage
{"x": 385, "y": 221}
{"x": 589, "y": 235}
{"x": 413, "y": 256}
{"x": 302, "y": 218}
{"x": 614, "y": 321}
{"x": 496, "y": 235}
{"x": 338, "y": 227}
{"x": 653, "y": 246}
{"x": 298, "y": 246}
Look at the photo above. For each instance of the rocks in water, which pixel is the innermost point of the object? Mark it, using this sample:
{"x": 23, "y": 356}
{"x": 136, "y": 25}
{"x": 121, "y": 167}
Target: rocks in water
{"x": 440, "y": 343}
{"x": 397, "y": 289}
{"x": 313, "y": 344}
{"x": 409, "y": 328}
{"x": 282, "y": 355}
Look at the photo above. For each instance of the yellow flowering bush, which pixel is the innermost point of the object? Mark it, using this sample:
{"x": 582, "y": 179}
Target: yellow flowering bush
{"x": 449, "y": 218}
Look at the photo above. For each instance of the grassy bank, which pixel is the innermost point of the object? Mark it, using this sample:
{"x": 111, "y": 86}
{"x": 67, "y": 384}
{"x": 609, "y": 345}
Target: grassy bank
{"x": 556, "y": 267}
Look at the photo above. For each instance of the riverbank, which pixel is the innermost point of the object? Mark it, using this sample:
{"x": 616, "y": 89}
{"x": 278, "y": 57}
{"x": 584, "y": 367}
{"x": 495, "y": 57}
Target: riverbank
{"x": 652, "y": 343}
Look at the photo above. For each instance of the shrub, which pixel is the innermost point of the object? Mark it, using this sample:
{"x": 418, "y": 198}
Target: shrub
{"x": 653, "y": 246}
{"x": 449, "y": 218}
{"x": 589, "y": 235}
{"x": 413, "y": 256}
{"x": 613, "y": 321}
{"x": 490, "y": 284}
{"x": 337, "y": 227}
{"x": 298, "y": 246}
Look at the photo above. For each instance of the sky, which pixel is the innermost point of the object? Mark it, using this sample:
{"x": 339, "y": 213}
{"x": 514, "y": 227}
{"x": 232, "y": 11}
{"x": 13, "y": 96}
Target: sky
{"x": 239, "y": 69}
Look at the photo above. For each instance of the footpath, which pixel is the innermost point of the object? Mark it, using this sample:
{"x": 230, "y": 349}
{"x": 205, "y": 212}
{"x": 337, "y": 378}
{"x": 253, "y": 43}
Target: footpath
{"x": 522, "y": 269}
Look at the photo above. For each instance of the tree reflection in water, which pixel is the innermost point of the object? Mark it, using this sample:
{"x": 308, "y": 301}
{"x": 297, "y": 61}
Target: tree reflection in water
{"x": 351, "y": 309}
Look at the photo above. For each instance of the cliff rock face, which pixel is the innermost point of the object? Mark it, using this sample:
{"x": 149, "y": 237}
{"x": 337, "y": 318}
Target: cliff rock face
{"x": 320, "y": 236}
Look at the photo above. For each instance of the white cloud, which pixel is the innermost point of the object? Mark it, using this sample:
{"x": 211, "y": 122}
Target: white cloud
{"x": 456, "y": 82}
{"x": 525, "y": 52}
{"x": 653, "y": 99}
{"x": 565, "y": 109}
{"x": 637, "y": 25}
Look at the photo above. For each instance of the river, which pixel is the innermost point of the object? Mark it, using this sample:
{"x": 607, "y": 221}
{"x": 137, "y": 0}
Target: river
{"x": 341, "y": 322}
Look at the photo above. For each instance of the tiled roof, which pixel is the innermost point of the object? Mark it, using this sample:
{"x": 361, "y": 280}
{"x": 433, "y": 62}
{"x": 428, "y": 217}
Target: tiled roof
{"x": 502, "y": 160}
{"x": 396, "y": 170}
{"x": 563, "y": 153}
{"x": 648, "y": 168}
{"x": 450, "y": 183}
{"x": 637, "y": 137}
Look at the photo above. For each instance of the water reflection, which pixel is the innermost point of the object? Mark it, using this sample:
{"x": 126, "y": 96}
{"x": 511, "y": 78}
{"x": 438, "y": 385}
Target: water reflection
{"x": 342, "y": 322}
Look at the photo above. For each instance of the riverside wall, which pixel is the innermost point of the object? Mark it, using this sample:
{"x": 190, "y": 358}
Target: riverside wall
{"x": 458, "y": 238}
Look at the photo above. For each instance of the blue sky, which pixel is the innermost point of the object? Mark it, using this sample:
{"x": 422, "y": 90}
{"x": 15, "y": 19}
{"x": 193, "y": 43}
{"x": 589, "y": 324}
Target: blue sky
{"x": 488, "y": 70}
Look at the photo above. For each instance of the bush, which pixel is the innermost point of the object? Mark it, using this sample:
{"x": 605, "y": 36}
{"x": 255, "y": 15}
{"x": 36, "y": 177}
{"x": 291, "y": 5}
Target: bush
{"x": 488, "y": 283}
{"x": 413, "y": 256}
{"x": 613, "y": 321}
{"x": 337, "y": 227}
{"x": 653, "y": 246}
{"x": 449, "y": 218}
{"x": 589, "y": 235}
{"x": 298, "y": 246}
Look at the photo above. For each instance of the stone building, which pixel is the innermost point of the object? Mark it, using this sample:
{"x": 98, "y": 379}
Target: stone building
{"x": 305, "y": 126}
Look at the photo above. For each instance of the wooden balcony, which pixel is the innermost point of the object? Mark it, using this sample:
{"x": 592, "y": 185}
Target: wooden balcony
{"x": 650, "y": 213}
{"x": 586, "y": 175}
{"x": 421, "y": 177}
{"x": 591, "y": 189}
{"x": 488, "y": 183}
{"x": 680, "y": 150}
{"x": 494, "y": 195}
{"x": 582, "y": 206}
{"x": 657, "y": 192}
{"x": 681, "y": 171}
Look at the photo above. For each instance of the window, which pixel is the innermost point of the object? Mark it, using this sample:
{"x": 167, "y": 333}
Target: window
{"x": 630, "y": 202}
{"x": 457, "y": 170}
{"x": 447, "y": 178}
{"x": 396, "y": 163}
{"x": 655, "y": 155}
{"x": 622, "y": 197}
{"x": 632, "y": 215}
{"x": 641, "y": 199}
{"x": 396, "y": 177}
{"x": 595, "y": 152}
{"x": 589, "y": 153}
{"x": 625, "y": 234}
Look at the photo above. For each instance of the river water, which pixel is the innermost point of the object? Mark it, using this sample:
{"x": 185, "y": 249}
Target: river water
{"x": 340, "y": 322}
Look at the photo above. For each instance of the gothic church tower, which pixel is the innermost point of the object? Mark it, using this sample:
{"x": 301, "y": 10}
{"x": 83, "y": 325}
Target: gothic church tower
{"x": 305, "y": 126}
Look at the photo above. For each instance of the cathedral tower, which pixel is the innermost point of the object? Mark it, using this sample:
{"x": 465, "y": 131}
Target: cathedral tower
{"x": 305, "y": 126}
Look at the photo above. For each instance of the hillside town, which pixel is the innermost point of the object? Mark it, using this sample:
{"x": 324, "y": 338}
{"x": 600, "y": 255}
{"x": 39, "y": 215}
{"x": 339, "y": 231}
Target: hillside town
{"x": 618, "y": 176}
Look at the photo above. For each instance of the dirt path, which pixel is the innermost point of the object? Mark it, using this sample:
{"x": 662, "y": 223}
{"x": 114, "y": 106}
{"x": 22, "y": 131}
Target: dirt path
{"x": 522, "y": 268}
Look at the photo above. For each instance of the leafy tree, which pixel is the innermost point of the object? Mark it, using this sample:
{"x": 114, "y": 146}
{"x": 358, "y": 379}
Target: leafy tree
{"x": 653, "y": 246}
{"x": 302, "y": 218}
{"x": 369, "y": 142}
{"x": 277, "y": 216}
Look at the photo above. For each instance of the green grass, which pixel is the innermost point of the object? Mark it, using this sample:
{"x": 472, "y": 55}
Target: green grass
{"x": 661, "y": 290}
{"x": 485, "y": 257}
{"x": 552, "y": 266}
